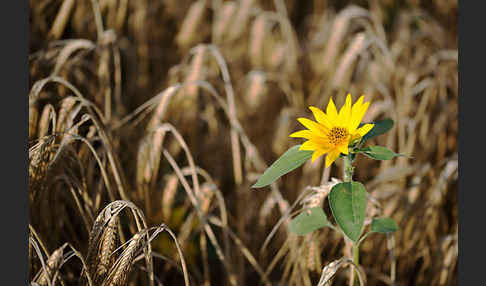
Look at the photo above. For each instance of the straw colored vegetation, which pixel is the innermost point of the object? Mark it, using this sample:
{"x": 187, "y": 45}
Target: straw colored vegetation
{"x": 150, "y": 120}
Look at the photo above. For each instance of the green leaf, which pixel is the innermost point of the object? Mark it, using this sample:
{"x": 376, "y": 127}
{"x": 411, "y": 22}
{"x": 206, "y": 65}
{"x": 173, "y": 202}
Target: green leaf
{"x": 383, "y": 225}
{"x": 289, "y": 161}
{"x": 379, "y": 153}
{"x": 308, "y": 221}
{"x": 380, "y": 127}
{"x": 348, "y": 206}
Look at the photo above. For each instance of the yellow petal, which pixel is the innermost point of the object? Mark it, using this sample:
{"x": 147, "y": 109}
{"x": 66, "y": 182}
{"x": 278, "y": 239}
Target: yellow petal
{"x": 331, "y": 111}
{"x": 307, "y": 134}
{"x": 357, "y": 116}
{"x": 357, "y": 104}
{"x": 345, "y": 112}
{"x": 322, "y": 142}
{"x": 364, "y": 129}
{"x": 343, "y": 149}
{"x": 313, "y": 126}
{"x": 309, "y": 146}
{"x": 321, "y": 117}
{"x": 331, "y": 157}
{"x": 318, "y": 153}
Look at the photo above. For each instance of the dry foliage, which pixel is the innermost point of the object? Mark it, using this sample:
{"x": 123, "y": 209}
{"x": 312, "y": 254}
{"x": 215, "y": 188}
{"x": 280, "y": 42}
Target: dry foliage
{"x": 150, "y": 120}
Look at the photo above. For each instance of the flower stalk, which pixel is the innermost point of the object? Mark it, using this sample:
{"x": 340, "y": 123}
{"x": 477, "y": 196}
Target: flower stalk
{"x": 348, "y": 169}
{"x": 356, "y": 263}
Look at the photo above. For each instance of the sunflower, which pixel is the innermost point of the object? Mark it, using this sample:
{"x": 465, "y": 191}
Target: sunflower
{"x": 334, "y": 131}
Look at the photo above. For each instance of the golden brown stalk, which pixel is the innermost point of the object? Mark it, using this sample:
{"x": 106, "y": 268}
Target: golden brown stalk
{"x": 239, "y": 24}
{"x": 195, "y": 73}
{"x": 256, "y": 91}
{"x": 120, "y": 271}
{"x": 121, "y": 14}
{"x": 98, "y": 20}
{"x": 185, "y": 230}
{"x": 53, "y": 264}
{"x": 65, "y": 119}
{"x": 329, "y": 271}
{"x": 278, "y": 56}
{"x": 168, "y": 196}
{"x": 39, "y": 157}
{"x": 450, "y": 248}
{"x": 257, "y": 39}
{"x": 339, "y": 28}
{"x": 104, "y": 75}
{"x": 205, "y": 196}
{"x": 319, "y": 194}
{"x": 311, "y": 261}
{"x": 223, "y": 20}
{"x": 148, "y": 160}
{"x": 344, "y": 70}
{"x": 106, "y": 257}
{"x": 33, "y": 117}
{"x": 283, "y": 129}
{"x": 61, "y": 20}
{"x": 111, "y": 8}
{"x": 108, "y": 215}
{"x": 47, "y": 117}
{"x": 103, "y": 240}
{"x": 190, "y": 31}
{"x": 265, "y": 210}
{"x": 70, "y": 48}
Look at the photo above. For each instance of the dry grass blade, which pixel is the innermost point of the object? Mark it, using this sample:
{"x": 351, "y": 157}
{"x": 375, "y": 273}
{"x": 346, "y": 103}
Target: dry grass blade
{"x": 179, "y": 250}
{"x": 240, "y": 19}
{"x": 47, "y": 119}
{"x": 358, "y": 44}
{"x": 45, "y": 268}
{"x": 339, "y": 28}
{"x": 61, "y": 19}
{"x": 245, "y": 252}
{"x": 33, "y": 118}
{"x": 187, "y": 34}
{"x": 69, "y": 49}
{"x": 258, "y": 31}
{"x": 53, "y": 264}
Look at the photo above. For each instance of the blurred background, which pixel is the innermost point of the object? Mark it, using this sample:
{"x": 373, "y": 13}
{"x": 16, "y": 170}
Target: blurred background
{"x": 171, "y": 109}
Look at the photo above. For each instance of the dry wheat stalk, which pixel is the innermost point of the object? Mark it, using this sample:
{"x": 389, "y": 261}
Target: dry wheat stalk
{"x": 33, "y": 118}
{"x": 61, "y": 19}
{"x": 54, "y": 262}
{"x": 189, "y": 31}
{"x": 258, "y": 31}
{"x": 108, "y": 244}
{"x": 256, "y": 90}
{"x": 223, "y": 19}
{"x": 120, "y": 270}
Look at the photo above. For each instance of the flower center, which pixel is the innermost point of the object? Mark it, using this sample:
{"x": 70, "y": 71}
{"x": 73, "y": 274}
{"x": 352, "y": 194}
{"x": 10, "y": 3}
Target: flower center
{"x": 338, "y": 135}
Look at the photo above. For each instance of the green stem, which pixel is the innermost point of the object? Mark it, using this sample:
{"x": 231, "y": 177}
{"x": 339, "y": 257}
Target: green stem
{"x": 348, "y": 169}
{"x": 348, "y": 177}
{"x": 356, "y": 262}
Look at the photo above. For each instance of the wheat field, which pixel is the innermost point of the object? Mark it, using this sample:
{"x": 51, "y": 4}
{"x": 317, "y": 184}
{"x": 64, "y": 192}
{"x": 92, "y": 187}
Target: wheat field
{"x": 150, "y": 120}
